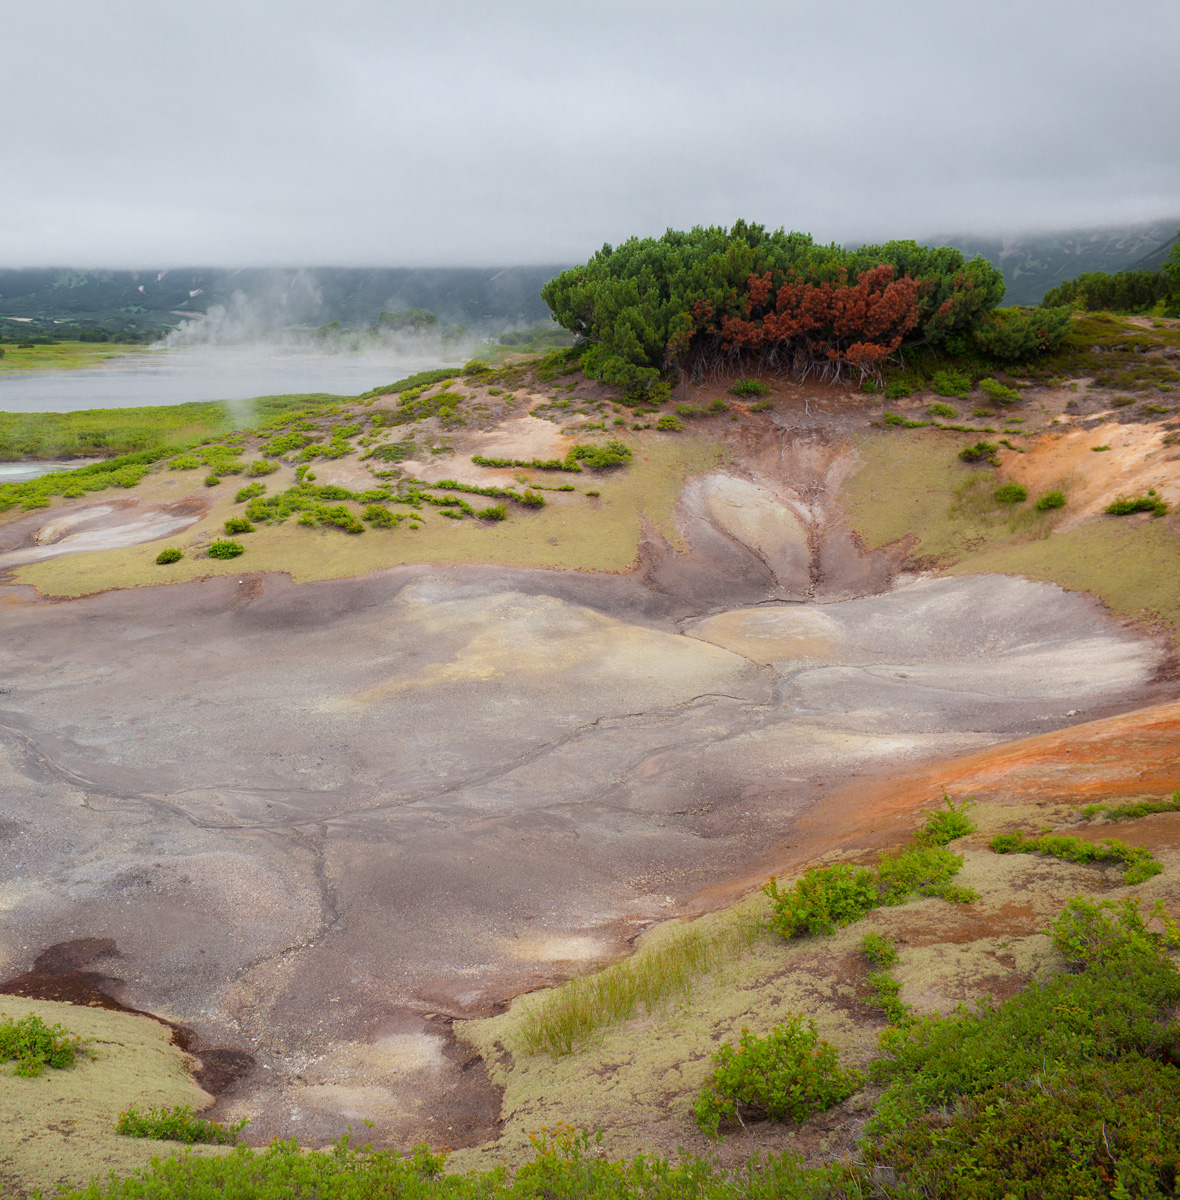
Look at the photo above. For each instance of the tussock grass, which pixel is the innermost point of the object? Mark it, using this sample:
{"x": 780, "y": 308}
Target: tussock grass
{"x": 664, "y": 966}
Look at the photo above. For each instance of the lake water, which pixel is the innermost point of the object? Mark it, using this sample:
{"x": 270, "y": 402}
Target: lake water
{"x": 205, "y": 373}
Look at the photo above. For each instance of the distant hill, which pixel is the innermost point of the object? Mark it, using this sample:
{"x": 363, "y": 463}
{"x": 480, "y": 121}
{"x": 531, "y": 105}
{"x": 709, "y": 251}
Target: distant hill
{"x": 1034, "y": 263}
{"x": 140, "y": 301}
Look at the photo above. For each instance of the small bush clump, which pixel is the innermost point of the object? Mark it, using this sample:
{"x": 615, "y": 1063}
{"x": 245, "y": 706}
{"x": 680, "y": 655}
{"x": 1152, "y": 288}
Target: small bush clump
{"x": 885, "y": 990}
{"x": 176, "y": 1125}
{"x": 249, "y": 492}
{"x": 669, "y": 424}
{"x": 1137, "y": 860}
{"x": 238, "y": 525}
{"x": 827, "y": 898}
{"x": 785, "y": 1076}
{"x": 212, "y": 480}
{"x": 997, "y": 393}
{"x": 169, "y": 554}
{"x": 1011, "y": 493}
{"x": 941, "y": 410}
{"x": 898, "y": 390}
{"x": 901, "y": 422}
{"x": 981, "y": 451}
{"x": 36, "y": 1045}
{"x": 223, "y": 548}
{"x": 748, "y": 387}
{"x": 951, "y": 383}
{"x": 493, "y": 512}
{"x": 701, "y": 410}
{"x": 1124, "y": 506}
{"x": 1050, "y": 500}
{"x": 1131, "y": 812}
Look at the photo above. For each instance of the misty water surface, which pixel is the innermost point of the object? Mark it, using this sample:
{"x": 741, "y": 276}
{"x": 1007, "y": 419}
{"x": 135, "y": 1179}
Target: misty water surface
{"x": 205, "y": 373}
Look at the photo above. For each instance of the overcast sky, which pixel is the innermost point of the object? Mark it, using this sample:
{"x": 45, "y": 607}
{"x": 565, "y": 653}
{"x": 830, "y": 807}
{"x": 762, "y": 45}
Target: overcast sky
{"x": 384, "y": 132}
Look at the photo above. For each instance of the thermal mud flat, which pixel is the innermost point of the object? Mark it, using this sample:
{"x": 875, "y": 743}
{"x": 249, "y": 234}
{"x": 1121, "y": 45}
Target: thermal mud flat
{"x": 314, "y": 823}
{"x": 319, "y": 821}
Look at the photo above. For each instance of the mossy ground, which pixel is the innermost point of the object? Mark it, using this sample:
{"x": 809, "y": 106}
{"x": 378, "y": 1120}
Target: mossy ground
{"x": 59, "y": 1127}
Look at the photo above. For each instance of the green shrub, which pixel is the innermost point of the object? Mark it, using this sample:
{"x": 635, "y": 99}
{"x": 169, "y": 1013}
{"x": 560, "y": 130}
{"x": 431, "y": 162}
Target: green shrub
{"x": 878, "y": 948}
{"x": 997, "y": 393}
{"x": 903, "y": 422}
{"x": 1125, "y": 505}
{"x": 951, "y": 383}
{"x": 748, "y": 387}
{"x": 565, "y": 1166}
{"x": 1011, "y": 493}
{"x": 1017, "y": 334}
{"x": 1090, "y": 931}
{"x": 600, "y": 458}
{"x": 249, "y": 492}
{"x": 1137, "y": 860}
{"x": 382, "y": 517}
{"x": 36, "y": 1045}
{"x": 238, "y": 525}
{"x": 169, "y": 554}
{"x": 1089, "y": 1133}
{"x": 987, "y": 452}
{"x": 785, "y": 1076}
{"x": 393, "y": 452}
{"x": 476, "y": 366}
{"x": 823, "y": 899}
{"x": 760, "y": 406}
{"x": 898, "y": 390}
{"x": 1141, "y": 808}
{"x": 1115, "y": 1008}
{"x": 925, "y": 870}
{"x": 884, "y": 988}
{"x": 669, "y": 424}
{"x": 946, "y": 823}
{"x": 826, "y": 898}
{"x": 532, "y": 499}
{"x": 1050, "y": 500}
{"x": 220, "y": 548}
{"x": 176, "y": 1125}
{"x": 711, "y": 409}
{"x": 593, "y": 493}
{"x": 493, "y": 512}
{"x": 1099, "y": 449}
{"x": 212, "y": 480}
{"x": 941, "y": 410}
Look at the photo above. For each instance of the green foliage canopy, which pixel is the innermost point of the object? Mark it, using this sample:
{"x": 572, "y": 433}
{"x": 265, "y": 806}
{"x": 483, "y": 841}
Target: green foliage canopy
{"x": 687, "y": 301}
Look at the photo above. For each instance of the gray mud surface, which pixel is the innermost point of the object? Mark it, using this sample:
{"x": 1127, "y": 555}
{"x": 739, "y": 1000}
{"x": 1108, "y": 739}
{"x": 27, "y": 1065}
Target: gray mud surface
{"x": 318, "y": 821}
{"x": 315, "y": 823}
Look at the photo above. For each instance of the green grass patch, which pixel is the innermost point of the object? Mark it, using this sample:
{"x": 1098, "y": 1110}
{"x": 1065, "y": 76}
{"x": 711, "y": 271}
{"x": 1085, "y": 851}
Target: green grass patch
{"x": 559, "y": 1021}
{"x": 61, "y": 356}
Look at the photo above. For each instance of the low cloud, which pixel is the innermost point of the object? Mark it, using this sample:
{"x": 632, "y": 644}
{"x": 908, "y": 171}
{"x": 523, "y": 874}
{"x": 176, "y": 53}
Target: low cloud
{"x": 456, "y": 132}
